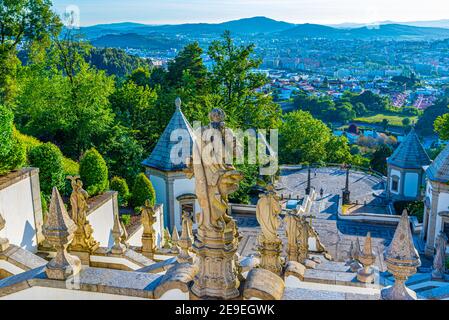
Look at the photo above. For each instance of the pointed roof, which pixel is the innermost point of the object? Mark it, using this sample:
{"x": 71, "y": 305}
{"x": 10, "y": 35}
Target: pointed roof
{"x": 410, "y": 154}
{"x": 401, "y": 249}
{"x": 182, "y": 131}
{"x": 439, "y": 169}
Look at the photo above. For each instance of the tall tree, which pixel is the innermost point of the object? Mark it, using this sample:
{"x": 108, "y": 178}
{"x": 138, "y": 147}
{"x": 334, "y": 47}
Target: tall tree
{"x": 21, "y": 22}
{"x": 236, "y": 85}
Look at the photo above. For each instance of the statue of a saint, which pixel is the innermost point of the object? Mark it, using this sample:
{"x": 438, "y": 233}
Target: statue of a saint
{"x": 78, "y": 201}
{"x": 267, "y": 213}
{"x": 439, "y": 261}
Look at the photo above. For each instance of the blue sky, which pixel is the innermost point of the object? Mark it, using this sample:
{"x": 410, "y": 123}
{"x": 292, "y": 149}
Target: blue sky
{"x": 297, "y": 11}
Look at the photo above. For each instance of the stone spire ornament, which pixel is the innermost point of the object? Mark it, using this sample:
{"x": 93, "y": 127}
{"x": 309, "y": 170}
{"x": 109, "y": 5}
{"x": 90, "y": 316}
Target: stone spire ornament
{"x": 148, "y": 219}
{"x": 117, "y": 233}
{"x": 439, "y": 260}
{"x": 59, "y": 231}
{"x": 178, "y": 103}
{"x": 354, "y": 254}
{"x": 174, "y": 240}
{"x": 167, "y": 240}
{"x": 83, "y": 240}
{"x": 270, "y": 245}
{"x": 402, "y": 260}
{"x": 217, "y": 240}
{"x": 4, "y": 243}
{"x": 186, "y": 240}
{"x": 367, "y": 258}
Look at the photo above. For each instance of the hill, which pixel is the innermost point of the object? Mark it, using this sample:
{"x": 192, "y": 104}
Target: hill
{"x": 136, "y": 41}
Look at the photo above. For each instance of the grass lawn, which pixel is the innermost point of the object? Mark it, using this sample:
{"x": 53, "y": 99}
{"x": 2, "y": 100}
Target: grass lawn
{"x": 394, "y": 120}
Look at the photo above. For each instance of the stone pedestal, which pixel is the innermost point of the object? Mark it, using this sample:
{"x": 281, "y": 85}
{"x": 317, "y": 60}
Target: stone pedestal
{"x": 217, "y": 276}
{"x": 84, "y": 256}
{"x": 365, "y": 275}
{"x": 148, "y": 247}
{"x": 270, "y": 256}
{"x": 346, "y": 197}
{"x": 4, "y": 244}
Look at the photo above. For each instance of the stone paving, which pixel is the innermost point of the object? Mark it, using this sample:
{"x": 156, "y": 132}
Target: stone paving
{"x": 332, "y": 180}
{"x": 335, "y": 234}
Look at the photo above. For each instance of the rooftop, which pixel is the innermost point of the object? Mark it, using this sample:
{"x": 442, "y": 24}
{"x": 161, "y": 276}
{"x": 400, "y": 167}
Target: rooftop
{"x": 410, "y": 154}
{"x": 439, "y": 169}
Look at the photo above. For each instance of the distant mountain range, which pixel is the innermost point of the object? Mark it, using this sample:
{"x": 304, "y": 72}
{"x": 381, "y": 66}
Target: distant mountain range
{"x": 137, "y": 35}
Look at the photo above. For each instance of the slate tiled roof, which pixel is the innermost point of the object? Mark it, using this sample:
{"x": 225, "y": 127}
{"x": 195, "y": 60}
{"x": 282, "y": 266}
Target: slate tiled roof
{"x": 439, "y": 169}
{"x": 160, "y": 157}
{"x": 410, "y": 154}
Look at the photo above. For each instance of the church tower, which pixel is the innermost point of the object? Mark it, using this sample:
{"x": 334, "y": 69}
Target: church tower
{"x": 164, "y": 167}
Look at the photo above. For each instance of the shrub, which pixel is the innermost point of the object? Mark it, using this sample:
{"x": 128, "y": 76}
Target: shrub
{"x": 94, "y": 172}
{"x": 142, "y": 190}
{"x": 447, "y": 263}
{"x": 119, "y": 184}
{"x": 12, "y": 150}
{"x": 48, "y": 158}
{"x": 126, "y": 219}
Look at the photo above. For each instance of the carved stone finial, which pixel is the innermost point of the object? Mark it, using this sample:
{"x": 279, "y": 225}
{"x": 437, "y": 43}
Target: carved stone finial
{"x": 367, "y": 258}
{"x": 270, "y": 245}
{"x": 186, "y": 240}
{"x": 439, "y": 260}
{"x": 167, "y": 239}
{"x": 59, "y": 231}
{"x": 354, "y": 254}
{"x": 83, "y": 240}
{"x": 4, "y": 243}
{"x": 174, "y": 240}
{"x": 148, "y": 219}
{"x": 402, "y": 260}
{"x": 178, "y": 103}
{"x": 117, "y": 233}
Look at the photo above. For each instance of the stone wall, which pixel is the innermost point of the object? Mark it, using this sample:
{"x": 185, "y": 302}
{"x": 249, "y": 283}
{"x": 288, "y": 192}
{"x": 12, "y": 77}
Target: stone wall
{"x": 20, "y": 205}
{"x": 101, "y": 217}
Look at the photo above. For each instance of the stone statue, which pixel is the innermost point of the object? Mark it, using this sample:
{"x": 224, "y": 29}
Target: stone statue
{"x": 267, "y": 213}
{"x": 439, "y": 261}
{"x": 148, "y": 219}
{"x": 4, "y": 243}
{"x": 270, "y": 245}
{"x": 354, "y": 255}
{"x": 186, "y": 240}
{"x": 297, "y": 237}
{"x": 83, "y": 240}
{"x": 217, "y": 239}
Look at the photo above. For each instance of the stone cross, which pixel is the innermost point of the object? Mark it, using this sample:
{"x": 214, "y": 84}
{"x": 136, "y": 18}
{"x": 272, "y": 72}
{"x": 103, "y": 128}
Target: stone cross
{"x": 59, "y": 231}
{"x": 367, "y": 258}
{"x": 402, "y": 260}
{"x": 4, "y": 243}
{"x": 186, "y": 240}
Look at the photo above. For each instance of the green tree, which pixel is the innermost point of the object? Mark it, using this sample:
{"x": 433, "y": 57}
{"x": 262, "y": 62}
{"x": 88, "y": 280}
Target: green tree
{"x": 94, "y": 172}
{"x": 142, "y": 190}
{"x": 236, "y": 86}
{"x": 379, "y": 158}
{"x": 385, "y": 124}
{"x": 119, "y": 184}
{"x": 441, "y": 126}
{"x": 12, "y": 150}
{"x": 338, "y": 150}
{"x": 406, "y": 122}
{"x": 303, "y": 138}
{"x": 21, "y": 22}
{"x": 49, "y": 159}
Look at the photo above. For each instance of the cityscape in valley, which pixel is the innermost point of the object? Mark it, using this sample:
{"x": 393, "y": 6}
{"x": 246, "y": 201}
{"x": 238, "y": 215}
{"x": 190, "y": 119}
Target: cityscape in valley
{"x": 251, "y": 159}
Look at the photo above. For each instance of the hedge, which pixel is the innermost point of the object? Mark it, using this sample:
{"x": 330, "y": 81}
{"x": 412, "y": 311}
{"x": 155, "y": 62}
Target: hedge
{"x": 142, "y": 190}
{"x": 94, "y": 172}
{"x": 119, "y": 184}
{"x": 12, "y": 150}
{"x": 49, "y": 159}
